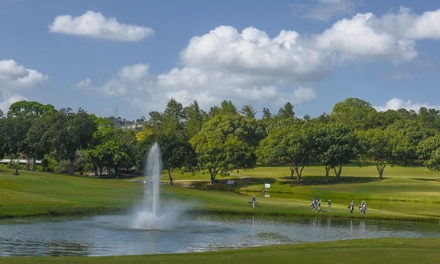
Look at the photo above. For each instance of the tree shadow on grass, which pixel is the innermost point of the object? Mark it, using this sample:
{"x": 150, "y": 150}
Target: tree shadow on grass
{"x": 222, "y": 185}
{"x": 315, "y": 180}
{"x": 424, "y": 179}
{"x": 239, "y": 183}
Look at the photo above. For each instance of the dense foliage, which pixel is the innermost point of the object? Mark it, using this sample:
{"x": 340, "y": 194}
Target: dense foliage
{"x": 221, "y": 140}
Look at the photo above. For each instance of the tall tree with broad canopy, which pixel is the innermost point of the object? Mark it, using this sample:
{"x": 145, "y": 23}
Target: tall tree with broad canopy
{"x": 19, "y": 120}
{"x": 384, "y": 147}
{"x": 336, "y": 145}
{"x": 226, "y": 142}
{"x": 37, "y": 141}
{"x": 291, "y": 144}
{"x": 414, "y": 130}
{"x": 70, "y": 132}
{"x": 355, "y": 113}
{"x": 117, "y": 150}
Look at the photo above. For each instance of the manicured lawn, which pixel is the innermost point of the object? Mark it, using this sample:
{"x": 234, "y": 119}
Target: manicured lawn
{"x": 406, "y": 193}
{"x": 384, "y": 250}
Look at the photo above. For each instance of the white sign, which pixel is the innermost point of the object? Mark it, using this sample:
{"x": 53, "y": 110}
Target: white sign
{"x": 267, "y": 185}
{"x": 266, "y": 195}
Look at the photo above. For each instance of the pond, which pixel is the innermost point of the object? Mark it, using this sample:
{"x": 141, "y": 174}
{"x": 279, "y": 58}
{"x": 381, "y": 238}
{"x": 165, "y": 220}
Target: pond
{"x": 108, "y": 235}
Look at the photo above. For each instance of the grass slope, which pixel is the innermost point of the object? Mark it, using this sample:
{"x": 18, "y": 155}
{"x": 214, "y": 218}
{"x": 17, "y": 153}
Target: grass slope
{"x": 384, "y": 250}
{"x": 34, "y": 193}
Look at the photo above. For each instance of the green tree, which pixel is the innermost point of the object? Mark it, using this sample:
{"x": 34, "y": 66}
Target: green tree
{"x": 286, "y": 112}
{"x": 248, "y": 111}
{"x": 194, "y": 119}
{"x": 429, "y": 151}
{"x": 225, "y": 143}
{"x": 414, "y": 130}
{"x": 19, "y": 120}
{"x": 284, "y": 117}
{"x": 37, "y": 141}
{"x": 335, "y": 145}
{"x": 116, "y": 151}
{"x": 172, "y": 119}
{"x": 384, "y": 147}
{"x": 434, "y": 162}
{"x": 291, "y": 144}
{"x": 176, "y": 153}
{"x": 355, "y": 113}
{"x": 70, "y": 132}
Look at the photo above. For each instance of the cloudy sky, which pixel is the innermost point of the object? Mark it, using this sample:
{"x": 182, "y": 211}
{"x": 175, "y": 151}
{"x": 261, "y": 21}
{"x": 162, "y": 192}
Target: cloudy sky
{"x": 130, "y": 57}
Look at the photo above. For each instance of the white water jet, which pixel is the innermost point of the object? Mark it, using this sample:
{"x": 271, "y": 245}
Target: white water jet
{"x": 150, "y": 214}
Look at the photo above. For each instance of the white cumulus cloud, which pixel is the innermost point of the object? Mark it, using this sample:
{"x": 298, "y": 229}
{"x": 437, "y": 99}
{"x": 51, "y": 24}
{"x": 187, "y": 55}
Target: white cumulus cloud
{"x": 363, "y": 36}
{"x": 14, "y": 75}
{"x": 94, "y": 24}
{"x": 249, "y": 66}
{"x": 14, "y": 78}
{"x": 398, "y": 103}
{"x": 5, "y": 103}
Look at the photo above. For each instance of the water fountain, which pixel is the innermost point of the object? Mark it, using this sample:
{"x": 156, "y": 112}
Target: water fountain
{"x": 150, "y": 213}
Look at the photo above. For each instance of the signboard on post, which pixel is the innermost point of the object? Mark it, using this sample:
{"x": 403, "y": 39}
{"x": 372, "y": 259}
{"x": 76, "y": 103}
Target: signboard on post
{"x": 267, "y": 186}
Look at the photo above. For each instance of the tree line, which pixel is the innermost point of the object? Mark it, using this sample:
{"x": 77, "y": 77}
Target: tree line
{"x": 221, "y": 140}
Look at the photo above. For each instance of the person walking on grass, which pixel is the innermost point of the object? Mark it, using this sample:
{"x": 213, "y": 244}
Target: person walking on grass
{"x": 319, "y": 206}
{"x": 364, "y": 208}
{"x": 361, "y": 207}
{"x": 254, "y": 201}
{"x": 351, "y": 206}
{"x": 329, "y": 206}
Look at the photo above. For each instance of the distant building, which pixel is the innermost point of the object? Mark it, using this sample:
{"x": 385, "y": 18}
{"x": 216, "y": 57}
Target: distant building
{"x": 20, "y": 161}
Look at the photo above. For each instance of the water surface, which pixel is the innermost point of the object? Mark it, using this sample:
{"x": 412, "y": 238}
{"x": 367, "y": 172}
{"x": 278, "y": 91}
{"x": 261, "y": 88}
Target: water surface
{"x": 110, "y": 235}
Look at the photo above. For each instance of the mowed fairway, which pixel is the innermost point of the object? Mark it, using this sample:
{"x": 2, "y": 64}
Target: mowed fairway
{"x": 406, "y": 193}
{"x": 384, "y": 250}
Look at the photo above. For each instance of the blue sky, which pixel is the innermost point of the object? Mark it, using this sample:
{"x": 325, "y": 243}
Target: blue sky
{"x": 133, "y": 56}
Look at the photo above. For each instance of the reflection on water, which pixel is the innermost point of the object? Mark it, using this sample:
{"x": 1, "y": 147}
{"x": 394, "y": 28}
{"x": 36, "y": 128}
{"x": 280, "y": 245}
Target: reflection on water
{"x": 110, "y": 235}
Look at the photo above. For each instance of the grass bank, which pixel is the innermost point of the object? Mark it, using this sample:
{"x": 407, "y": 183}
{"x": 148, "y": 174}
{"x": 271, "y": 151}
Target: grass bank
{"x": 384, "y": 250}
{"x": 37, "y": 193}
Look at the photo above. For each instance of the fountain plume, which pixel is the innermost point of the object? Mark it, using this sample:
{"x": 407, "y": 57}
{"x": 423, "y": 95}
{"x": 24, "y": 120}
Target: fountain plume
{"x": 150, "y": 213}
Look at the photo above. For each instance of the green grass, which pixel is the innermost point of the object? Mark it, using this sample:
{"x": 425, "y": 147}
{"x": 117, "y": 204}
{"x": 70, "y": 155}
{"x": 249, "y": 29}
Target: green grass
{"x": 384, "y": 250}
{"x": 35, "y": 193}
{"x": 406, "y": 193}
